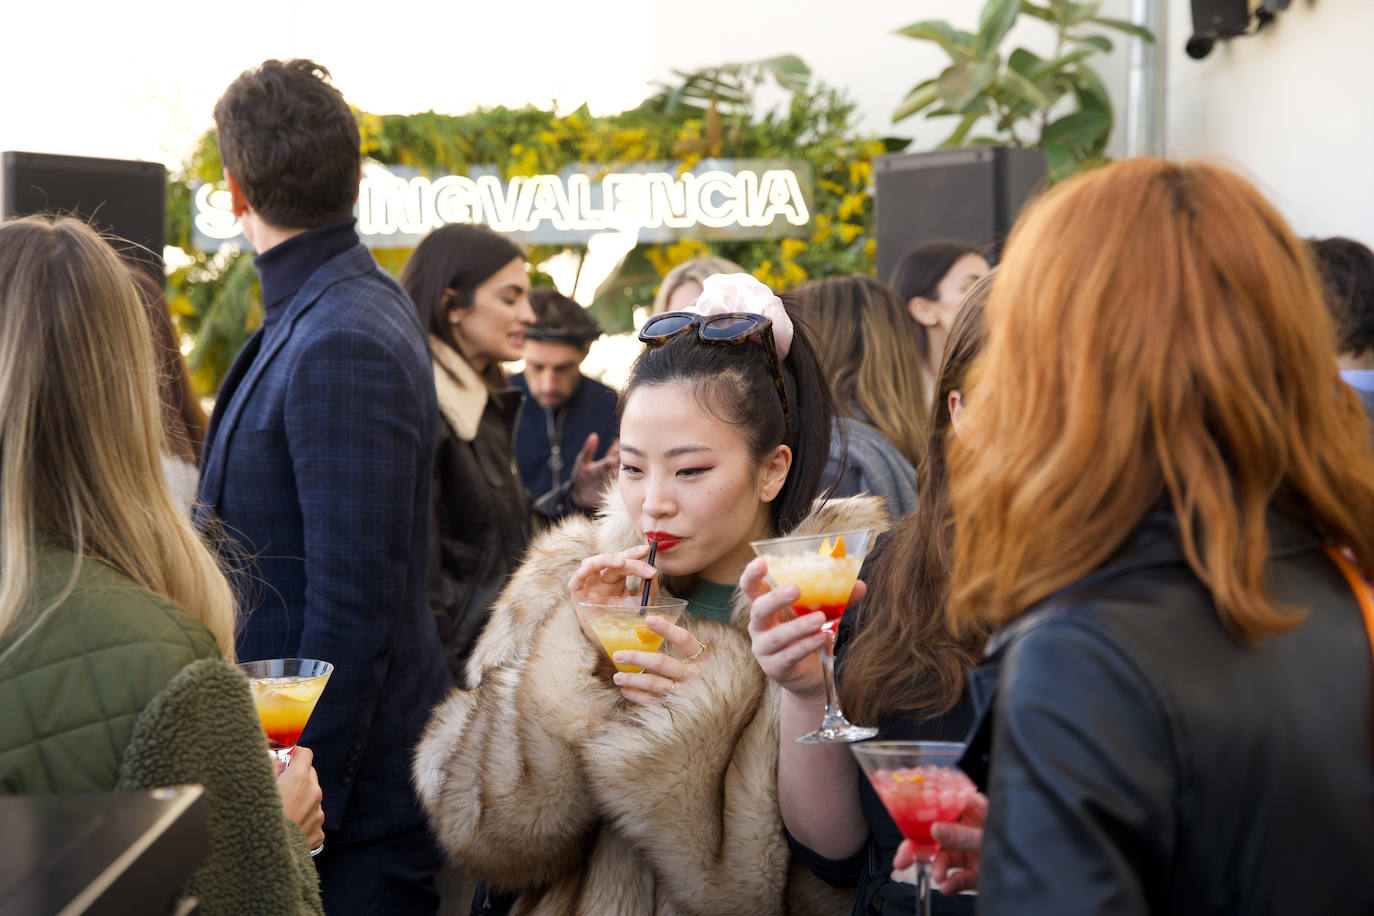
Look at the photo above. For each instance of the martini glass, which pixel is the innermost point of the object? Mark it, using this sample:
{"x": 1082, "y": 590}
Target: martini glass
{"x": 619, "y": 623}
{"x": 920, "y": 784}
{"x": 824, "y": 567}
{"x": 285, "y": 691}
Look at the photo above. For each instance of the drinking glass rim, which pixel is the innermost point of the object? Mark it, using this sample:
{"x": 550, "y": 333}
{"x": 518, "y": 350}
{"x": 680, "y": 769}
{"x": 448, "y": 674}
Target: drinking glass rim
{"x": 326, "y": 668}
{"x": 894, "y": 747}
{"x": 631, "y": 603}
{"x": 769, "y": 542}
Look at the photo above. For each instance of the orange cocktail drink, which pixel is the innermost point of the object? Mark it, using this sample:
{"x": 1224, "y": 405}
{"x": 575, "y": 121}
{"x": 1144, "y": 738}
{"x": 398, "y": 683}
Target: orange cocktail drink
{"x": 285, "y": 691}
{"x": 620, "y": 624}
{"x": 824, "y": 568}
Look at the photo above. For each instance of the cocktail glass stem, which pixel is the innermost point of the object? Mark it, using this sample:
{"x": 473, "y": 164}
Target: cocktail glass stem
{"x": 834, "y": 727}
{"x": 923, "y": 888}
{"x": 282, "y": 755}
{"x": 834, "y": 715}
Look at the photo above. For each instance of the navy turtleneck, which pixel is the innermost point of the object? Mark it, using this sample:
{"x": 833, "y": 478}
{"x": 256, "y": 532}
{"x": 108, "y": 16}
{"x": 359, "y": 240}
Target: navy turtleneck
{"x": 284, "y": 268}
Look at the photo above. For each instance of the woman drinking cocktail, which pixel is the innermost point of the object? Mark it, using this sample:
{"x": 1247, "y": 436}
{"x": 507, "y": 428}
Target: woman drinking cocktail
{"x": 582, "y": 789}
{"x": 902, "y": 670}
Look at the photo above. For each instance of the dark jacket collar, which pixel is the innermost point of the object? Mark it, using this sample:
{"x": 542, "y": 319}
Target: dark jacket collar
{"x": 284, "y": 268}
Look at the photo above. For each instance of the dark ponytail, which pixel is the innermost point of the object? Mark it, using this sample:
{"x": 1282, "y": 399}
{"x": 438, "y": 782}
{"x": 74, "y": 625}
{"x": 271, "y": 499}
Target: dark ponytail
{"x": 735, "y": 385}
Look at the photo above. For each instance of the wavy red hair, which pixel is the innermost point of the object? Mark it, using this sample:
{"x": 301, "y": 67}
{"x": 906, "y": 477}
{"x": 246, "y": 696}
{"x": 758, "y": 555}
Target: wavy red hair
{"x": 1156, "y": 338}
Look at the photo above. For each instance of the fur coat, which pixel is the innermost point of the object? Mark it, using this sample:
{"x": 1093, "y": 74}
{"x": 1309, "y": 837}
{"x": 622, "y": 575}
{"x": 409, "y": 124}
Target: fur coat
{"x": 543, "y": 780}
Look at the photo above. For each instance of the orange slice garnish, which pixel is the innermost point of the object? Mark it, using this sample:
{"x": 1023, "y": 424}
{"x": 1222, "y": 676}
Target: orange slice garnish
{"x": 835, "y": 550}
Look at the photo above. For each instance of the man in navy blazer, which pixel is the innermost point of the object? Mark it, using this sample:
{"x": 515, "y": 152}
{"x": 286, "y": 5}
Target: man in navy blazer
{"x": 317, "y": 466}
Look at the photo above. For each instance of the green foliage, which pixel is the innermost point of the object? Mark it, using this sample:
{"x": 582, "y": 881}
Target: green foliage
{"x": 711, "y": 113}
{"x": 1058, "y": 105}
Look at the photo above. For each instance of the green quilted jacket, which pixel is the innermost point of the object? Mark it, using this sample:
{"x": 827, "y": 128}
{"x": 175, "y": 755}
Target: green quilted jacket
{"x": 116, "y": 689}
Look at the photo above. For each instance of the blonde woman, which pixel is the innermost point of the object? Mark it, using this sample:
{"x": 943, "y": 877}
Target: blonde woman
{"x": 108, "y": 598}
{"x": 868, "y": 349}
{"x": 682, "y": 284}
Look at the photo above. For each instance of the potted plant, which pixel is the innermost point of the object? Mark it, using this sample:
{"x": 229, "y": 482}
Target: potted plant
{"x": 1018, "y": 98}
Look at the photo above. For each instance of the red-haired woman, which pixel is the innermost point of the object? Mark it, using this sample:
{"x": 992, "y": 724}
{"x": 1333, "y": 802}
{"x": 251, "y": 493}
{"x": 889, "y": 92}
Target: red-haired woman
{"x": 1156, "y": 466}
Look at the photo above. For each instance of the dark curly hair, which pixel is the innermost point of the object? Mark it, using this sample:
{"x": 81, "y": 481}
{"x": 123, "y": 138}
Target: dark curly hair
{"x": 291, "y": 142}
{"x": 1347, "y": 270}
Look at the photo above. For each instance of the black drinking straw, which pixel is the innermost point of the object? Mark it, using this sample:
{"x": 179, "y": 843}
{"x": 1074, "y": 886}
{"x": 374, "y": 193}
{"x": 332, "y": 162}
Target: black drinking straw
{"x": 644, "y": 594}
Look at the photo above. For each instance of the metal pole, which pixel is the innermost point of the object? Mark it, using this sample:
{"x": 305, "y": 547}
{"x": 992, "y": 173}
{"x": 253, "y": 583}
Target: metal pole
{"x": 1145, "y": 123}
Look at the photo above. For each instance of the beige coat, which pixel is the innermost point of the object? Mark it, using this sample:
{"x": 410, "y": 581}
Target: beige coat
{"x": 544, "y": 780}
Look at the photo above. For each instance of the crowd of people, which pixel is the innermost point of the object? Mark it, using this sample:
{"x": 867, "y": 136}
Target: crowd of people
{"x": 1124, "y": 484}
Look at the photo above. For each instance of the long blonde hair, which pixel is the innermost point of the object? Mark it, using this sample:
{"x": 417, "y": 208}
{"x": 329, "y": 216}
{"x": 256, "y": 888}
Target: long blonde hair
{"x": 81, "y": 431}
{"x": 1179, "y": 356}
{"x": 868, "y": 348}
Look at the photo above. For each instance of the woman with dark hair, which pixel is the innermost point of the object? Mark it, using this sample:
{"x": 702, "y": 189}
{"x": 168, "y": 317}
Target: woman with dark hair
{"x": 471, "y": 287}
{"x": 898, "y": 666}
{"x": 868, "y": 350}
{"x": 583, "y": 790}
{"x": 932, "y": 280}
{"x": 1164, "y": 501}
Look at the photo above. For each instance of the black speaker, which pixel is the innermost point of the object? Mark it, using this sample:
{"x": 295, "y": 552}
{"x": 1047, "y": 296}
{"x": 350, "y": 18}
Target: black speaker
{"x": 1215, "y": 20}
{"x": 968, "y": 195}
{"x": 123, "y": 198}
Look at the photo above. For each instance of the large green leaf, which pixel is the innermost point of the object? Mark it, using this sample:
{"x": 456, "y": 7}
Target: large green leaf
{"x": 1039, "y": 12}
{"x": 1071, "y": 14}
{"x": 958, "y": 44}
{"x": 789, "y": 70}
{"x": 1100, "y": 42}
{"x": 997, "y": 19}
{"x": 961, "y": 83}
{"x": 1121, "y": 25}
{"x": 1059, "y": 161}
{"x": 960, "y": 132}
{"x": 1023, "y": 89}
{"x": 1078, "y": 130}
{"x": 1091, "y": 93}
{"x": 1023, "y": 61}
{"x": 1059, "y": 64}
{"x": 922, "y": 96}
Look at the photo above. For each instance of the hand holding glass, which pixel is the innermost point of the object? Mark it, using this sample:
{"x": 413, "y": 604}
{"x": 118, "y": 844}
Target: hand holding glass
{"x": 920, "y": 785}
{"x": 824, "y": 567}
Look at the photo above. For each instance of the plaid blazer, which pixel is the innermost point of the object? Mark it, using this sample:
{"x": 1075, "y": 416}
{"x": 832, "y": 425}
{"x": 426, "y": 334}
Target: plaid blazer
{"x": 317, "y": 464}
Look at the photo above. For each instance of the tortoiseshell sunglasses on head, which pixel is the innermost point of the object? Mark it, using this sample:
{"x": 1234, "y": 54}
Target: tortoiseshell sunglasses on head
{"x": 729, "y": 328}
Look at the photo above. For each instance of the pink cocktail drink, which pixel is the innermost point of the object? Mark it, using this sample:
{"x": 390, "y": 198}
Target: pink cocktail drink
{"x": 920, "y": 784}
{"x": 918, "y": 797}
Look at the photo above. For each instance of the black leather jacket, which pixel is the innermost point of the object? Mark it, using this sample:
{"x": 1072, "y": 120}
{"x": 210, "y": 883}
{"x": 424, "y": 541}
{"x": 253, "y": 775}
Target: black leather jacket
{"x": 1144, "y": 761}
{"x": 479, "y": 527}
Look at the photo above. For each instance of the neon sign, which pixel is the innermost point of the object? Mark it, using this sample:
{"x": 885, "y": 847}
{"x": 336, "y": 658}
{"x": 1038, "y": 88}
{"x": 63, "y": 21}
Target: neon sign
{"x": 720, "y": 198}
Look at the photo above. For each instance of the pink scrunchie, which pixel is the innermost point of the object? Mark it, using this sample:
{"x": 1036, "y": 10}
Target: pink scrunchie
{"x": 724, "y": 293}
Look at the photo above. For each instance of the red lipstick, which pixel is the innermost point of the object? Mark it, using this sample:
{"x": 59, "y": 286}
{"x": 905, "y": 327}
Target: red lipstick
{"x": 664, "y": 540}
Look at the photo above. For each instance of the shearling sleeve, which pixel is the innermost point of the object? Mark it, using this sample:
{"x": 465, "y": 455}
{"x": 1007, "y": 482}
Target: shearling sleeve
{"x": 497, "y": 769}
{"x": 693, "y": 783}
{"x": 203, "y": 729}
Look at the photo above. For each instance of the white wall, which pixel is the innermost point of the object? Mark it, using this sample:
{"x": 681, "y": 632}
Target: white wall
{"x": 1291, "y": 107}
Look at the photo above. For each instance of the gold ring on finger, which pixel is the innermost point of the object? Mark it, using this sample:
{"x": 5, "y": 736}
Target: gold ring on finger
{"x": 683, "y": 673}
{"x": 701, "y": 647}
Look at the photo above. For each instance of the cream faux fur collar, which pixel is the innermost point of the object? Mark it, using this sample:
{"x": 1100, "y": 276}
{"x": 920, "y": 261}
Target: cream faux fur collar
{"x": 460, "y": 404}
